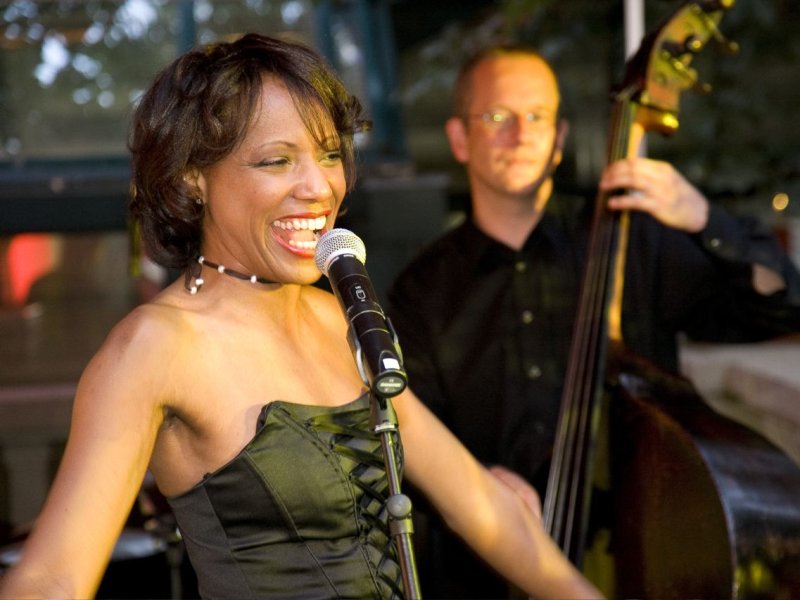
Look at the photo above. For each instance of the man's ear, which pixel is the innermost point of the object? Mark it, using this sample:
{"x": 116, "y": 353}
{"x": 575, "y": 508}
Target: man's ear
{"x": 456, "y": 132}
{"x": 562, "y": 129}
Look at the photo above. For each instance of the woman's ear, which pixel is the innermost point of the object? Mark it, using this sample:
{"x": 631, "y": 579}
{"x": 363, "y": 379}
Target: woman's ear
{"x": 456, "y": 131}
{"x": 197, "y": 184}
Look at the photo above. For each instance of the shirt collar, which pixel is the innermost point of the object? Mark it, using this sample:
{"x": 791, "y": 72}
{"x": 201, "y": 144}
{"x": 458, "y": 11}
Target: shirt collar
{"x": 480, "y": 248}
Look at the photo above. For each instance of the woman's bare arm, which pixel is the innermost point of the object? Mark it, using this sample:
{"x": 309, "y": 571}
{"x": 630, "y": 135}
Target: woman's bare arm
{"x": 115, "y": 422}
{"x": 488, "y": 513}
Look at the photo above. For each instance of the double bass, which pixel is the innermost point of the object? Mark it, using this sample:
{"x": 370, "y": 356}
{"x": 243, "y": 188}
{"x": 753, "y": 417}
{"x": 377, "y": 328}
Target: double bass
{"x": 701, "y": 506}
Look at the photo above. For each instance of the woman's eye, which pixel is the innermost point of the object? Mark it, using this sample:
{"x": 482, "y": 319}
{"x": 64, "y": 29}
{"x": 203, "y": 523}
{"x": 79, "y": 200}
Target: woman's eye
{"x": 333, "y": 156}
{"x": 274, "y": 162}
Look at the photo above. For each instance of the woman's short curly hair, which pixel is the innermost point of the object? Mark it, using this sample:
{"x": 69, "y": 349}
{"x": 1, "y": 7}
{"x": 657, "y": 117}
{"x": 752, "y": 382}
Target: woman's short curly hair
{"x": 198, "y": 110}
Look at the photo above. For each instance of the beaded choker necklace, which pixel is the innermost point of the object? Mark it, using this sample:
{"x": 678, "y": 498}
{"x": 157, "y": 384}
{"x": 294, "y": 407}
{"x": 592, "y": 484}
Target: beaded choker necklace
{"x": 203, "y": 262}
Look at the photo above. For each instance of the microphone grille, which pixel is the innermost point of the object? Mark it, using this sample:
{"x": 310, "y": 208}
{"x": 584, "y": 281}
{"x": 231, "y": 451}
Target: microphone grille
{"x": 335, "y": 242}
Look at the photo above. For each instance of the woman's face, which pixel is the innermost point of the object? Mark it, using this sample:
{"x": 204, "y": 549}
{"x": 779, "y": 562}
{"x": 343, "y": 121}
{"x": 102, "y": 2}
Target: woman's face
{"x": 269, "y": 199}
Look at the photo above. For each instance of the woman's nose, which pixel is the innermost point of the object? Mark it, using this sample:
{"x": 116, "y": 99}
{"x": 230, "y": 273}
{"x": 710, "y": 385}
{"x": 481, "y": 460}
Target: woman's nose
{"x": 313, "y": 183}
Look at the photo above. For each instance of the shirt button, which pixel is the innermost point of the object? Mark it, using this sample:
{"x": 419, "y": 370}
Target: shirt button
{"x": 715, "y": 242}
{"x": 534, "y": 372}
{"x": 527, "y": 317}
{"x": 521, "y": 266}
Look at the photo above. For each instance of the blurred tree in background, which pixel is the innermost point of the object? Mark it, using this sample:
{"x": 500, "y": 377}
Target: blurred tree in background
{"x": 70, "y": 71}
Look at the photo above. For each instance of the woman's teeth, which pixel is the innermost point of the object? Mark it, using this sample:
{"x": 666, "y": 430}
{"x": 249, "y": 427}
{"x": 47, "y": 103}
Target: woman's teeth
{"x": 297, "y": 225}
{"x": 301, "y": 224}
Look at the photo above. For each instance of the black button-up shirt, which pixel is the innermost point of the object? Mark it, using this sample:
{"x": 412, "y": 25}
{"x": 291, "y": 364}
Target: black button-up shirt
{"x": 485, "y": 330}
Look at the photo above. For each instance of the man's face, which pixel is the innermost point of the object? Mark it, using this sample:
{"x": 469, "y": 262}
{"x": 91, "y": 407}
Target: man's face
{"x": 506, "y": 139}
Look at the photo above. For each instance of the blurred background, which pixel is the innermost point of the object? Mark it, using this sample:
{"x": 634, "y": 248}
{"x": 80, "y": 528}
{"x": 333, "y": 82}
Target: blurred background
{"x": 70, "y": 72}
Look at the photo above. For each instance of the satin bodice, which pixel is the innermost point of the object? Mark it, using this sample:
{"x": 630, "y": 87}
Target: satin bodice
{"x": 300, "y": 512}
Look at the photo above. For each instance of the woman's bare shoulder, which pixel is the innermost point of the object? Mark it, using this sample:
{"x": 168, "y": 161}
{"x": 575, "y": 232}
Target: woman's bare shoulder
{"x": 149, "y": 324}
{"x": 147, "y": 338}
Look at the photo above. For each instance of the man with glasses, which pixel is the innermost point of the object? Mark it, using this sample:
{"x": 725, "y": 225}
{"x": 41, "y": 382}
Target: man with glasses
{"x": 485, "y": 313}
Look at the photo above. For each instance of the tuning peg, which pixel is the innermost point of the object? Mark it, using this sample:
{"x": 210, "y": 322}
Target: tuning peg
{"x": 711, "y": 6}
{"x": 689, "y": 74}
{"x": 728, "y": 46}
{"x": 715, "y": 5}
{"x": 691, "y": 45}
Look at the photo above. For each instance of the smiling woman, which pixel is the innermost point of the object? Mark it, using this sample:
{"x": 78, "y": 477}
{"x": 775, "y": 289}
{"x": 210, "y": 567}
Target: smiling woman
{"x": 246, "y": 137}
{"x": 236, "y": 387}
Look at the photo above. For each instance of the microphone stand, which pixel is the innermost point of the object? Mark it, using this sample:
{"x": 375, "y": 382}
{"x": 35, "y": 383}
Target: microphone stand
{"x": 340, "y": 256}
{"x": 383, "y": 420}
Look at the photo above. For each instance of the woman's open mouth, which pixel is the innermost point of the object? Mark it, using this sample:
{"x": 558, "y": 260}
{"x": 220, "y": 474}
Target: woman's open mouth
{"x": 300, "y": 233}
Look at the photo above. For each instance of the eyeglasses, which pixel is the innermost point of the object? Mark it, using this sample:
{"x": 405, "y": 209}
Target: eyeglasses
{"x": 502, "y": 118}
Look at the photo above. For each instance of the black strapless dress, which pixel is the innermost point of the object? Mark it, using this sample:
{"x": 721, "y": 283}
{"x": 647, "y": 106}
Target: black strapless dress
{"x": 300, "y": 512}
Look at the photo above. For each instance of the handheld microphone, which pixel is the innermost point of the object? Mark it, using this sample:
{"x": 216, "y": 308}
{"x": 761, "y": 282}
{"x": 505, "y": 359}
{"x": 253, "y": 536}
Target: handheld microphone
{"x": 340, "y": 255}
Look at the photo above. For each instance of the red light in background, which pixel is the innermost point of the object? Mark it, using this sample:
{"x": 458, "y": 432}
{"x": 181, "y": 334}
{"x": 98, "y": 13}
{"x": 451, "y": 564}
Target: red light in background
{"x": 29, "y": 256}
